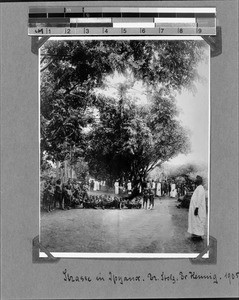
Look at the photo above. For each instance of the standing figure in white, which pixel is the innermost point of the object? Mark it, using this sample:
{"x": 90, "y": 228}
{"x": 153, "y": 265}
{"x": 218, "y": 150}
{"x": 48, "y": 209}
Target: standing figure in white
{"x": 116, "y": 187}
{"x": 197, "y": 211}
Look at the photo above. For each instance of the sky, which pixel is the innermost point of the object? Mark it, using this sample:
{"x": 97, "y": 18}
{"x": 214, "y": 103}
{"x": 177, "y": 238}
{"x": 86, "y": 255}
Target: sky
{"x": 194, "y": 114}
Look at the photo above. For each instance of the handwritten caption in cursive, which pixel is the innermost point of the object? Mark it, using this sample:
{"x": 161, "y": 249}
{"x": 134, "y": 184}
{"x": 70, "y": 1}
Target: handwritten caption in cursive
{"x": 214, "y": 278}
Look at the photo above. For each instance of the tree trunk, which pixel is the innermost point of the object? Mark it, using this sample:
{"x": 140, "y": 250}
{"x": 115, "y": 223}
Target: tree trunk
{"x": 58, "y": 175}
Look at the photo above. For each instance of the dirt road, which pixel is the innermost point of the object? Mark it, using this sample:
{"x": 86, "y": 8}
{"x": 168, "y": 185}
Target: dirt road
{"x": 161, "y": 230}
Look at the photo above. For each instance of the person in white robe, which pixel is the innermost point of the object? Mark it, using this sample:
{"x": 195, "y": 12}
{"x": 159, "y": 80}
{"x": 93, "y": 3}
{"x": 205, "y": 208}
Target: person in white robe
{"x": 173, "y": 192}
{"x": 158, "y": 189}
{"x": 197, "y": 211}
{"x": 116, "y": 187}
{"x": 95, "y": 185}
{"x": 140, "y": 188}
{"x": 153, "y": 186}
{"x": 129, "y": 187}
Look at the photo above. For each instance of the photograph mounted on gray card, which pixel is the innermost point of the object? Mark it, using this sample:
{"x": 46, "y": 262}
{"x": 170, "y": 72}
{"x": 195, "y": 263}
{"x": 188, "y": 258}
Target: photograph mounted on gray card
{"x": 118, "y": 140}
{"x": 124, "y": 143}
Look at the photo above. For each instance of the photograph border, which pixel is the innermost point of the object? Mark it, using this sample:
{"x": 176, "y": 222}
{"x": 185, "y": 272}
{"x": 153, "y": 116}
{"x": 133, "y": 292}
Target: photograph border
{"x": 210, "y": 247}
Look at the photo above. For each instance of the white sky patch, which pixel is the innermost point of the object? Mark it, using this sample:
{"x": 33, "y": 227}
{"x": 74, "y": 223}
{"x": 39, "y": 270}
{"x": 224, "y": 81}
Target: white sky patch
{"x": 113, "y": 82}
{"x": 194, "y": 114}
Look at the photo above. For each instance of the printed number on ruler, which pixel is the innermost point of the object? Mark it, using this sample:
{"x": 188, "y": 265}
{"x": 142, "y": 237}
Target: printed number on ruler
{"x": 123, "y": 30}
{"x": 142, "y": 30}
{"x": 86, "y": 30}
{"x": 39, "y": 30}
{"x": 161, "y": 30}
{"x": 105, "y": 30}
{"x": 67, "y": 30}
{"x": 180, "y": 30}
{"x": 199, "y": 30}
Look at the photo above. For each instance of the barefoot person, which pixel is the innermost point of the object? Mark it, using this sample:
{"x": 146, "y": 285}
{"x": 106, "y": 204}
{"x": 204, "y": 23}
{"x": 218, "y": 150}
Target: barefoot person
{"x": 197, "y": 211}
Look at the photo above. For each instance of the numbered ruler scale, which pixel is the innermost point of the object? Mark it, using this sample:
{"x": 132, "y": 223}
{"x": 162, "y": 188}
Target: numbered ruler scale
{"x": 113, "y": 21}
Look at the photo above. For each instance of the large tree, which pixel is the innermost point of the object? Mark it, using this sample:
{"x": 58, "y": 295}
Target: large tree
{"x": 70, "y": 72}
{"x": 129, "y": 140}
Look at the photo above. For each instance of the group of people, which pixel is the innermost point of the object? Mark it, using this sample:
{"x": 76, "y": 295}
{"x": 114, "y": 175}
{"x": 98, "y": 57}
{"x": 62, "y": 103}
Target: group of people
{"x": 72, "y": 194}
{"x": 96, "y": 185}
{"x": 62, "y": 195}
{"x": 128, "y": 187}
{"x": 125, "y": 186}
{"x": 107, "y": 201}
{"x": 164, "y": 188}
{"x": 148, "y": 198}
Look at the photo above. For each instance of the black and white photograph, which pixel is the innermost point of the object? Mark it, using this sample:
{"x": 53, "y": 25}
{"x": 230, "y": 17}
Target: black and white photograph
{"x": 124, "y": 147}
{"x": 119, "y": 149}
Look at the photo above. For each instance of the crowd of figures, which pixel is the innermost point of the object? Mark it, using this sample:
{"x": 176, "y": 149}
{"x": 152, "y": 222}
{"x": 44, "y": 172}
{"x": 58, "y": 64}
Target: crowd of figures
{"x": 164, "y": 188}
{"x": 73, "y": 194}
{"x": 62, "y": 195}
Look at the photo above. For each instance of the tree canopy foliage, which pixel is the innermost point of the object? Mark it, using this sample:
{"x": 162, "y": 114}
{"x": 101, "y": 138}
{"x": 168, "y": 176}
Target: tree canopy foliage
{"x": 129, "y": 140}
{"x": 115, "y": 136}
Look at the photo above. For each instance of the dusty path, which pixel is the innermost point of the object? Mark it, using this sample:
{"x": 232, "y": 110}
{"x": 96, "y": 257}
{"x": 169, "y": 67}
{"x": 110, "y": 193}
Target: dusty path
{"x": 161, "y": 230}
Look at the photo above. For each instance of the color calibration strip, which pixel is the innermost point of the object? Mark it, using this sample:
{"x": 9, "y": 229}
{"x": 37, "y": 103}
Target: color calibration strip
{"x": 113, "y": 21}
